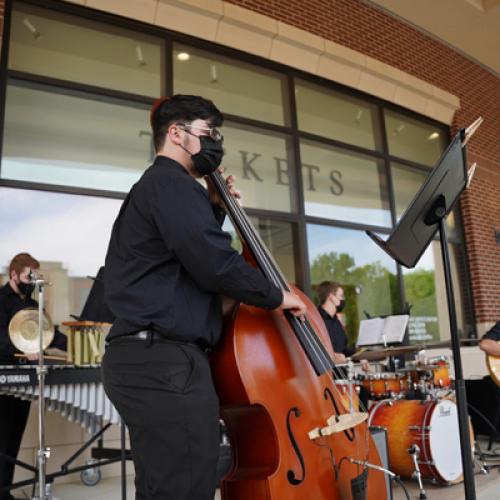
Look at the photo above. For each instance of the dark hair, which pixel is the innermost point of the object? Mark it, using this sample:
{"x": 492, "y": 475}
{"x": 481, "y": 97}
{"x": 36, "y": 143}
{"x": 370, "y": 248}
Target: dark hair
{"x": 325, "y": 289}
{"x": 181, "y": 109}
{"x": 20, "y": 261}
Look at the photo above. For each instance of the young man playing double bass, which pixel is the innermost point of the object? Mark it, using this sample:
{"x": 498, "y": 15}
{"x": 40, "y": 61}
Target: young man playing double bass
{"x": 167, "y": 266}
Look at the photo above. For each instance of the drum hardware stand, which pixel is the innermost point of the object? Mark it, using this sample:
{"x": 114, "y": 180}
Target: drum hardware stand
{"x": 350, "y": 378}
{"x": 43, "y": 453}
{"x": 414, "y": 451}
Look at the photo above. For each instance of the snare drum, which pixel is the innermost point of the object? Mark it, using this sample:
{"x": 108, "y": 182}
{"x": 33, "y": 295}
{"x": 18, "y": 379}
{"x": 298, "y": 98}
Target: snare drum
{"x": 433, "y": 426}
{"x": 384, "y": 385}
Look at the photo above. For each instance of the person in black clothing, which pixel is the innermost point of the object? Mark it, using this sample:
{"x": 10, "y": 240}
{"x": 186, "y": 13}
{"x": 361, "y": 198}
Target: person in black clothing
{"x": 14, "y": 296}
{"x": 489, "y": 342}
{"x": 332, "y": 301}
{"x": 167, "y": 267}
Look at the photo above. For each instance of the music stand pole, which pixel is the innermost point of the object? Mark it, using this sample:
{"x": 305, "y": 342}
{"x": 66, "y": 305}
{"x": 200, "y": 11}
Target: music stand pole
{"x": 438, "y": 214}
{"x": 43, "y": 453}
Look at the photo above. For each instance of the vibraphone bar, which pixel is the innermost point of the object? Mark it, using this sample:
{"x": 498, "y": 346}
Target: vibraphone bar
{"x": 77, "y": 393}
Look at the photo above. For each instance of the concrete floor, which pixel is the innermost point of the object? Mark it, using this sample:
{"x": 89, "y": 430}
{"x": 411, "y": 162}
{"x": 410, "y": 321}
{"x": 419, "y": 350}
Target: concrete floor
{"x": 487, "y": 488}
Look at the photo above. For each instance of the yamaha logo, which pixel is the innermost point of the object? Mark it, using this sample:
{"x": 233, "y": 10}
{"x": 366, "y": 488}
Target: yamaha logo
{"x": 14, "y": 379}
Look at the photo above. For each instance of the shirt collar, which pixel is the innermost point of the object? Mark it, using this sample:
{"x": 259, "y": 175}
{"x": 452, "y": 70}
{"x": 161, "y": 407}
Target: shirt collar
{"x": 169, "y": 162}
{"x": 324, "y": 313}
{"x": 9, "y": 290}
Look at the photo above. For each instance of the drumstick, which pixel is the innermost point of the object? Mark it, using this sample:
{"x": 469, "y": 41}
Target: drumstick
{"x": 55, "y": 358}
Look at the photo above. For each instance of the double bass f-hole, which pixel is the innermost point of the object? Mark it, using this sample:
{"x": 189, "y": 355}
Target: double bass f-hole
{"x": 292, "y": 478}
{"x": 349, "y": 433}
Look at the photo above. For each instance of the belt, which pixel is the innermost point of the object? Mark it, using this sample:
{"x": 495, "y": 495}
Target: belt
{"x": 150, "y": 336}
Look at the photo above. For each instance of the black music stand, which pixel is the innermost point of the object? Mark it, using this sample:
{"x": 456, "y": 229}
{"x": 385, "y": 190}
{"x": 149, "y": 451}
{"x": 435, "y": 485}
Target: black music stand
{"x": 95, "y": 308}
{"x": 422, "y": 219}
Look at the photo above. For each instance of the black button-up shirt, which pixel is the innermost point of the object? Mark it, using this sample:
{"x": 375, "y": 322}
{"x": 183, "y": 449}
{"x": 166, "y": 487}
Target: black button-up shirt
{"x": 337, "y": 333}
{"x": 10, "y": 304}
{"x": 168, "y": 261}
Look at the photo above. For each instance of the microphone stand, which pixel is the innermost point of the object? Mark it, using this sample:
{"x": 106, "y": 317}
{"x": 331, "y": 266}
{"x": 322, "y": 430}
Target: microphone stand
{"x": 43, "y": 453}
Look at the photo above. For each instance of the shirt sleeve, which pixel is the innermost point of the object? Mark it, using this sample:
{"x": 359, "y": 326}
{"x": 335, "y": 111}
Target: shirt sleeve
{"x": 189, "y": 228}
{"x": 7, "y": 349}
{"x": 493, "y": 333}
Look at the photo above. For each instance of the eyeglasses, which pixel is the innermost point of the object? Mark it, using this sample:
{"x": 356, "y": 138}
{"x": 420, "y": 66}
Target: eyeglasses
{"x": 213, "y": 133}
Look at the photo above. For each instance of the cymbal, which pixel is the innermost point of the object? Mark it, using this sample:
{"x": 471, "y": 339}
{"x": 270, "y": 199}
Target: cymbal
{"x": 23, "y": 331}
{"x": 447, "y": 343}
{"x": 419, "y": 368}
{"x": 375, "y": 354}
{"x": 378, "y": 353}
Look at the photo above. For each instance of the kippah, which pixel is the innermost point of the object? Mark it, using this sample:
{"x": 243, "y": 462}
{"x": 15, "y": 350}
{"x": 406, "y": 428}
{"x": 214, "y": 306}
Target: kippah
{"x": 155, "y": 107}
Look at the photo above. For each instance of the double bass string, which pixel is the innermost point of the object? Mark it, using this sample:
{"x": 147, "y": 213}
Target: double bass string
{"x": 272, "y": 271}
{"x": 269, "y": 267}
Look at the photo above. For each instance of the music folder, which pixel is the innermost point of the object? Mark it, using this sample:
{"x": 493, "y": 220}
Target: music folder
{"x": 386, "y": 330}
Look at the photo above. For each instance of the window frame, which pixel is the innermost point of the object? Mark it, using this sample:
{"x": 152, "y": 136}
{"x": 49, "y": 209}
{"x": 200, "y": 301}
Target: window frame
{"x": 297, "y": 217}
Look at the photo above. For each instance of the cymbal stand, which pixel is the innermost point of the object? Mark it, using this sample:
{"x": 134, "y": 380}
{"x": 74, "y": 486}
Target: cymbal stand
{"x": 414, "y": 451}
{"x": 350, "y": 378}
{"x": 43, "y": 453}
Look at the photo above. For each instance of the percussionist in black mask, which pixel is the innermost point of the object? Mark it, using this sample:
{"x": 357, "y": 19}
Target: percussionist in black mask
{"x": 14, "y": 296}
{"x": 168, "y": 263}
{"x": 332, "y": 301}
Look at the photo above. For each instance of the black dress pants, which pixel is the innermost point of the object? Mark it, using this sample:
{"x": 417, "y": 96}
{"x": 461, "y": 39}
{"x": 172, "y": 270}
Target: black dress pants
{"x": 13, "y": 417}
{"x": 165, "y": 395}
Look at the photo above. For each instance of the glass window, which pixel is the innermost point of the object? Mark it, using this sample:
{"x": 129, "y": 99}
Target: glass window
{"x": 344, "y": 186}
{"x": 279, "y": 239}
{"x": 425, "y": 294}
{"x": 73, "y": 141}
{"x": 413, "y": 139}
{"x": 235, "y": 87}
{"x": 261, "y": 164}
{"x": 367, "y": 274}
{"x": 68, "y": 48}
{"x": 406, "y": 182}
{"x": 68, "y": 234}
{"x": 337, "y": 116}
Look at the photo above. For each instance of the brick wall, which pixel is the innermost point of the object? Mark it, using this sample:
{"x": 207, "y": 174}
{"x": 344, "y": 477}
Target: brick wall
{"x": 365, "y": 29}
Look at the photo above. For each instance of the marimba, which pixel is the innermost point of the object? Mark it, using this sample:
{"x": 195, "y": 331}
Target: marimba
{"x": 76, "y": 392}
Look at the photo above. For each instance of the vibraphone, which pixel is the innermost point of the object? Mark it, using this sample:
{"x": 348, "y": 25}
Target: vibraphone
{"x": 76, "y": 392}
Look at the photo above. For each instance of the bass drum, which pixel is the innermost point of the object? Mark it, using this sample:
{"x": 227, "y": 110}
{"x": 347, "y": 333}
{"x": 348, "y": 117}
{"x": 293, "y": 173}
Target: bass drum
{"x": 433, "y": 426}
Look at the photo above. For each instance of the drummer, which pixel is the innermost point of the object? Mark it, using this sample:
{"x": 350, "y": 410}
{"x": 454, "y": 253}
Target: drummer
{"x": 14, "y": 296}
{"x": 332, "y": 302}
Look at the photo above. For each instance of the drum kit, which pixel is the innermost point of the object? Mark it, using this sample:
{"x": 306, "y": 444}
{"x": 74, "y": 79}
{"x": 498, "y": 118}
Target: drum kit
{"x": 416, "y": 407}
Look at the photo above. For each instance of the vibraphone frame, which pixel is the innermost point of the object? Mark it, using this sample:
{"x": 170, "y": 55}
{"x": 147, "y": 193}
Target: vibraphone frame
{"x": 25, "y": 376}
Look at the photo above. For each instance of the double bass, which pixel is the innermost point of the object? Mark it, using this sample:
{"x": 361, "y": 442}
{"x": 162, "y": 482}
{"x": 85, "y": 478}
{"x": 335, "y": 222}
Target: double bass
{"x": 273, "y": 374}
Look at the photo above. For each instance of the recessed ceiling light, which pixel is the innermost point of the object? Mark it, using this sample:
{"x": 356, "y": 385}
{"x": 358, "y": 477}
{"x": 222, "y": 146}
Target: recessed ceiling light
{"x": 183, "y": 56}
{"x": 36, "y": 34}
{"x": 433, "y": 136}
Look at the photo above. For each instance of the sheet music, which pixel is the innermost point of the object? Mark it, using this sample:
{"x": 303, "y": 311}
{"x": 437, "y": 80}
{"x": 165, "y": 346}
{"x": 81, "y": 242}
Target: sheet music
{"x": 370, "y": 331}
{"x": 394, "y": 328}
{"x": 382, "y": 330}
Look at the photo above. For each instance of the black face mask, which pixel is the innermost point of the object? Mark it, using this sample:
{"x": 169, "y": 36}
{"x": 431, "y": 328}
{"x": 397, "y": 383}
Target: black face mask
{"x": 26, "y": 288}
{"x": 210, "y": 156}
{"x": 341, "y": 306}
